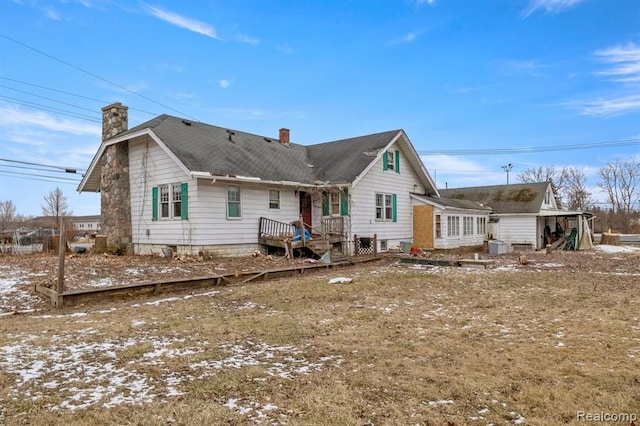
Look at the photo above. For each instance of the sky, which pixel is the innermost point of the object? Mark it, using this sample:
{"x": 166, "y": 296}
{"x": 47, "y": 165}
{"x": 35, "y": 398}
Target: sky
{"x": 477, "y": 85}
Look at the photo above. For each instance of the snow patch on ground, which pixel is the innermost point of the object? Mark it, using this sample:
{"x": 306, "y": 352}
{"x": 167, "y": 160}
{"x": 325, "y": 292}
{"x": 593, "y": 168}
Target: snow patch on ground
{"x": 617, "y": 249}
{"x": 114, "y": 372}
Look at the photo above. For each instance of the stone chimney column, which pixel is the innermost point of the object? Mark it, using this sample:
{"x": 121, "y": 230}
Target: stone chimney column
{"x": 284, "y": 136}
{"x": 115, "y": 192}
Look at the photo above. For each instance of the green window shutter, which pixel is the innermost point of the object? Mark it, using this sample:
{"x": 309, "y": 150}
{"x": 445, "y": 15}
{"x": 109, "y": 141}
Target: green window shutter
{"x": 154, "y": 203}
{"x": 395, "y": 207}
{"x": 344, "y": 202}
{"x": 397, "y": 161}
{"x": 325, "y": 204}
{"x": 385, "y": 166}
{"x": 184, "y": 205}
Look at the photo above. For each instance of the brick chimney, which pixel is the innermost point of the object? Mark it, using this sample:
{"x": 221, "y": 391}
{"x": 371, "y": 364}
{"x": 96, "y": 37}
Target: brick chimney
{"x": 115, "y": 205}
{"x": 284, "y": 136}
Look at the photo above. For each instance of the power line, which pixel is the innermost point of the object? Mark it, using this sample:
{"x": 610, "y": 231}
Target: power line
{"x": 41, "y": 177}
{"x": 51, "y": 109}
{"x": 526, "y": 150}
{"x": 48, "y": 99}
{"x": 70, "y": 94}
{"x": 65, "y": 169}
{"x": 94, "y": 75}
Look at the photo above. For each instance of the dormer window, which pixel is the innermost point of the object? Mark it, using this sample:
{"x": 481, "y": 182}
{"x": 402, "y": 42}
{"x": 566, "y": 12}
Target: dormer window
{"x": 547, "y": 197}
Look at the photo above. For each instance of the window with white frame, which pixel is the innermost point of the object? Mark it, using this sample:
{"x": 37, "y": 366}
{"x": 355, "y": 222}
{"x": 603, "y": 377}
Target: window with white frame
{"x": 169, "y": 202}
{"x": 234, "y": 202}
{"x": 391, "y": 161}
{"x": 385, "y": 207}
{"x": 164, "y": 201}
{"x": 481, "y": 225}
{"x": 176, "y": 200}
{"x": 334, "y": 203}
{"x": 438, "y": 226}
{"x": 467, "y": 225}
{"x": 274, "y": 198}
{"x": 453, "y": 226}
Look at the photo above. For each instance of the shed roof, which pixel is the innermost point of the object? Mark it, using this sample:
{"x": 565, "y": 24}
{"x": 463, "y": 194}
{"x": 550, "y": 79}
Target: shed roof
{"x": 514, "y": 198}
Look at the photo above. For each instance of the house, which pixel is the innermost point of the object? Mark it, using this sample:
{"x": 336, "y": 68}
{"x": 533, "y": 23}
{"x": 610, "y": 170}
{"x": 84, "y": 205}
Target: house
{"x": 525, "y": 215}
{"x": 196, "y": 187}
{"x": 86, "y": 225}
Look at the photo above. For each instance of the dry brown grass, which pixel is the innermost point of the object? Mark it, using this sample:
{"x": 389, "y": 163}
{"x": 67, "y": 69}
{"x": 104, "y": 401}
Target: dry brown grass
{"x": 398, "y": 346}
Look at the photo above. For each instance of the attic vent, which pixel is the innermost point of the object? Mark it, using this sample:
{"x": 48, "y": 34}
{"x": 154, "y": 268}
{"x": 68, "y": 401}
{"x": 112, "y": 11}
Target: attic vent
{"x": 230, "y": 133}
{"x": 267, "y": 139}
{"x": 186, "y": 123}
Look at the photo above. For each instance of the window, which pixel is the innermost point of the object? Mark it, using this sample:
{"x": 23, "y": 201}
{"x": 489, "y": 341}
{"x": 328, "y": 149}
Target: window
{"x": 481, "y": 225}
{"x": 233, "y": 202}
{"x": 386, "y": 207}
{"x": 176, "y": 200}
{"x": 453, "y": 226}
{"x": 467, "y": 225}
{"x": 169, "y": 201}
{"x": 164, "y": 201}
{"x": 547, "y": 197}
{"x": 274, "y": 199}
{"x": 438, "y": 226}
{"x": 391, "y": 161}
{"x": 336, "y": 202}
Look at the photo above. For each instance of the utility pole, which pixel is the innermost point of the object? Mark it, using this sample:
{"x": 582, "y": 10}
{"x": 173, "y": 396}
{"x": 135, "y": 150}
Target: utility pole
{"x": 507, "y": 169}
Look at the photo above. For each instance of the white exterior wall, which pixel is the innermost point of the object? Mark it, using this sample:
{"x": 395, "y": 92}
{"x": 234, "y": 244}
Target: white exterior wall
{"x": 456, "y": 241}
{"x": 518, "y": 229}
{"x": 362, "y": 202}
{"x": 207, "y": 228}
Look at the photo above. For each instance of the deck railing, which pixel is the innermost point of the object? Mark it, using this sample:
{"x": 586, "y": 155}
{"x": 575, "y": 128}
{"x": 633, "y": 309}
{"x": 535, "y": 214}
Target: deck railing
{"x": 332, "y": 225}
{"x": 273, "y": 228}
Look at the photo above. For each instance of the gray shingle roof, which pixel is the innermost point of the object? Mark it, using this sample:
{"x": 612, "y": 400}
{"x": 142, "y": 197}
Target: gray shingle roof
{"x": 207, "y": 148}
{"x": 515, "y": 198}
{"x": 456, "y": 203}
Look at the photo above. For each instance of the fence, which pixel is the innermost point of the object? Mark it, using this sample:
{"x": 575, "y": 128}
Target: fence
{"x": 365, "y": 245}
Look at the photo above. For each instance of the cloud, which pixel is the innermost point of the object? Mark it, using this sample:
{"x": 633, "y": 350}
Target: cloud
{"x": 420, "y": 3}
{"x": 549, "y": 6}
{"x": 51, "y": 13}
{"x": 529, "y": 67}
{"x": 408, "y": 38}
{"x": 286, "y": 50}
{"x": 16, "y": 117}
{"x": 225, "y": 83}
{"x": 243, "y": 38}
{"x": 455, "y": 171}
{"x": 624, "y": 61}
{"x": 610, "y": 107}
{"x": 182, "y": 21}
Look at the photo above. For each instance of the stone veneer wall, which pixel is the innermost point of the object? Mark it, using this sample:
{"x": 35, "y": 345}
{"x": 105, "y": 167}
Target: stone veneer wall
{"x": 115, "y": 192}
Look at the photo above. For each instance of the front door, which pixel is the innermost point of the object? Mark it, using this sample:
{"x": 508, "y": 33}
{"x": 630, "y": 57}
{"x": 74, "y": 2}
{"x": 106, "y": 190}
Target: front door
{"x": 305, "y": 208}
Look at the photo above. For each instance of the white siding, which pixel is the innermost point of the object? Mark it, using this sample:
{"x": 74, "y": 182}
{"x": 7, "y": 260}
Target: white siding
{"x": 518, "y": 229}
{"x": 363, "y": 203}
{"x": 207, "y": 227}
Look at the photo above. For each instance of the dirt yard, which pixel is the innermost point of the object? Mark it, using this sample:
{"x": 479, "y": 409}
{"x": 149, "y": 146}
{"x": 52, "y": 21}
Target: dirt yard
{"x": 550, "y": 339}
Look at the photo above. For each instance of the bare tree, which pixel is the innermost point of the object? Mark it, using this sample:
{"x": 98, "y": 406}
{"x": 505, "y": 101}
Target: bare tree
{"x": 55, "y": 206}
{"x": 621, "y": 181}
{"x": 576, "y": 193}
{"x": 7, "y": 214}
{"x": 557, "y": 178}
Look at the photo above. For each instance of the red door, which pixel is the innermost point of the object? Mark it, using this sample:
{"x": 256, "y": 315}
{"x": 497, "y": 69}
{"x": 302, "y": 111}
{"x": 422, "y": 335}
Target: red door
{"x": 305, "y": 208}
